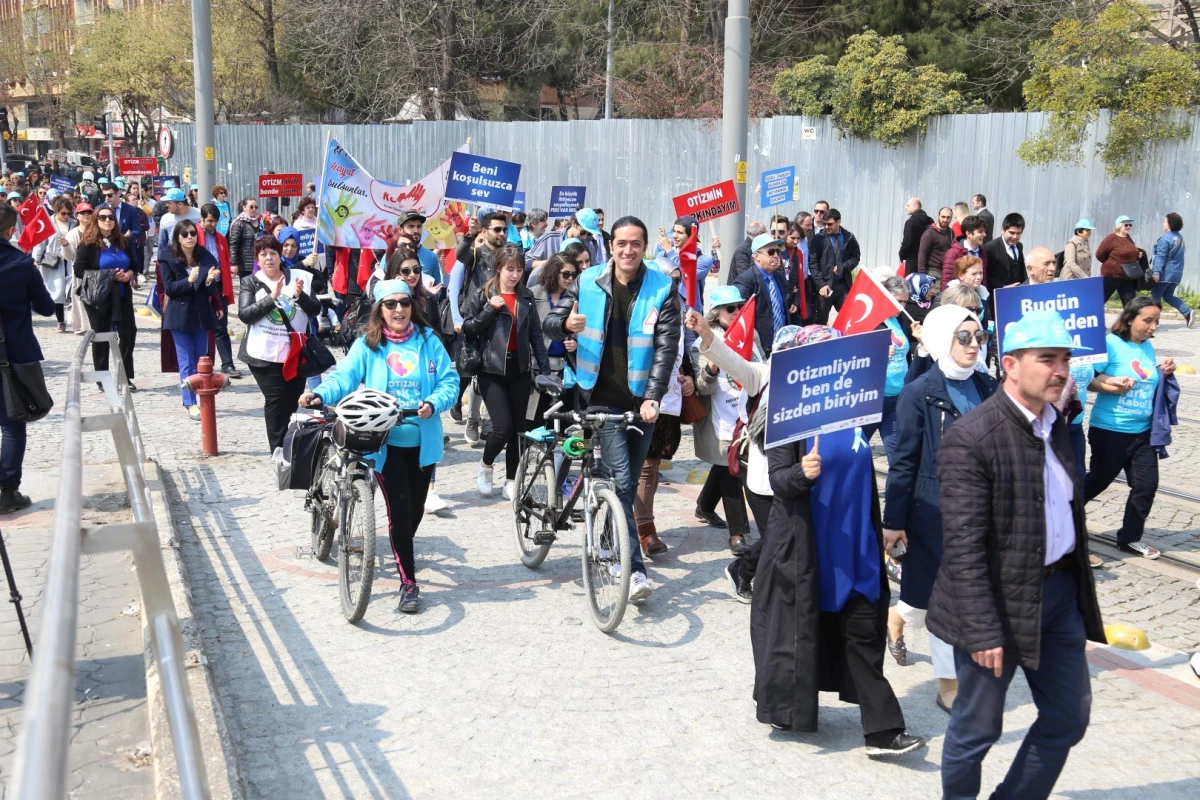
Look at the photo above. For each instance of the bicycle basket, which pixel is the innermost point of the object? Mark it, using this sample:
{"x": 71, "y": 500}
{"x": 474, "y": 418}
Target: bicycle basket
{"x": 358, "y": 441}
{"x": 296, "y": 460}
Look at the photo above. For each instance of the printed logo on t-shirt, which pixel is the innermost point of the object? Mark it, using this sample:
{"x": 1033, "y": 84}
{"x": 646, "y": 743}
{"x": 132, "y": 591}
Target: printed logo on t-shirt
{"x": 432, "y": 367}
{"x": 401, "y": 364}
{"x": 1139, "y": 370}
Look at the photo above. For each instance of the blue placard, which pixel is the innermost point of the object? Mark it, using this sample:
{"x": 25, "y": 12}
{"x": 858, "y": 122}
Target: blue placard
{"x": 483, "y": 181}
{"x": 777, "y": 186}
{"x": 519, "y": 202}
{"x": 61, "y": 184}
{"x": 566, "y": 200}
{"x": 306, "y": 239}
{"x": 159, "y": 180}
{"x": 1080, "y": 302}
{"x": 826, "y": 387}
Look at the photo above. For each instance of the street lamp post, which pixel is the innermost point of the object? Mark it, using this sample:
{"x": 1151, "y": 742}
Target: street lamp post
{"x": 206, "y": 163}
{"x": 735, "y": 118}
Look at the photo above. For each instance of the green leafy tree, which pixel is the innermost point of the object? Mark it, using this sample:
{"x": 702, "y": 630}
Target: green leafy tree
{"x": 1113, "y": 64}
{"x": 874, "y": 92}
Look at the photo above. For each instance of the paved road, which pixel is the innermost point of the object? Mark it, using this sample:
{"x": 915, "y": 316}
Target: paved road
{"x": 502, "y": 687}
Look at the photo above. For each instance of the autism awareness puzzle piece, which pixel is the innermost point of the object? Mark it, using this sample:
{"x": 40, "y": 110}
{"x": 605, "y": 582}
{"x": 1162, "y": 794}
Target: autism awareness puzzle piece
{"x": 1139, "y": 370}
{"x": 399, "y": 365}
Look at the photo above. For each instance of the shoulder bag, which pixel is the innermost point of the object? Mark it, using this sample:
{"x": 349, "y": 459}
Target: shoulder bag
{"x": 315, "y": 357}
{"x": 24, "y": 387}
{"x": 96, "y": 288}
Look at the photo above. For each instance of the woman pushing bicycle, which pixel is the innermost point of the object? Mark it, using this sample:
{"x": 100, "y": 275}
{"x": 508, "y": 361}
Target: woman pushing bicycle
{"x": 401, "y": 355}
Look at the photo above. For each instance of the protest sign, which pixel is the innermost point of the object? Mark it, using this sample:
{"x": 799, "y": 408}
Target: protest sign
{"x": 828, "y": 386}
{"x": 566, "y": 200}
{"x": 307, "y": 240}
{"x": 61, "y": 184}
{"x": 1079, "y": 302}
{"x": 281, "y": 185}
{"x": 138, "y": 167}
{"x": 483, "y": 181}
{"x": 708, "y": 203}
{"x": 519, "y": 202}
{"x": 160, "y": 181}
{"x": 776, "y": 186}
{"x": 356, "y": 210}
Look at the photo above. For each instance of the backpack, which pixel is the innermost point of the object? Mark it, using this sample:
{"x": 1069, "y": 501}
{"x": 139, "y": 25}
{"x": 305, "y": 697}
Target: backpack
{"x": 354, "y": 319}
{"x": 1058, "y": 262}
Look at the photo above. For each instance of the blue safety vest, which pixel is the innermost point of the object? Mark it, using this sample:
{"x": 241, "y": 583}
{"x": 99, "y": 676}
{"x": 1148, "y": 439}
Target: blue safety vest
{"x": 654, "y": 292}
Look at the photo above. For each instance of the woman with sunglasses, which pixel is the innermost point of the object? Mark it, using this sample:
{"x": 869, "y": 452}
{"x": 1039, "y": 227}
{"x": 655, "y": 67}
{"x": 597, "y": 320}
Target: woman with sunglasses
{"x": 1116, "y": 252}
{"x": 556, "y": 277}
{"x": 399, "y": 354}
{"x": 103, "y": 248}
{"x": 725, "y": 403}
{"x": 191, "y": 282}
{"x": 273, "y": 305}
{"x": 244, "y": 232}
{"x": 912, "y": 514}
{"x": 502, "y": 317}
{"x": 51, "y": 258}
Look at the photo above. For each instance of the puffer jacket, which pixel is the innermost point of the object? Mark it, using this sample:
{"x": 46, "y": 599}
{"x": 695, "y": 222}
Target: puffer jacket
{"x": 988, "y": 591}
{"x": 242, "y": 235}
{"x": 491, "y": 326}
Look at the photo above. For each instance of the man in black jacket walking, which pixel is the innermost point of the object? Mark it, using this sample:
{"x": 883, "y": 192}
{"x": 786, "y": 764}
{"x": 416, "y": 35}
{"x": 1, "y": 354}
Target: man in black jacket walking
{"x": 914, "y": 226}
{"x": 1014, "y": 588}
{"x": 834, "y": 255}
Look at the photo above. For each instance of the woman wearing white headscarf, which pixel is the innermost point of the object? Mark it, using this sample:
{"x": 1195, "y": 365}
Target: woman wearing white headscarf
{"x": 928, "y": 405}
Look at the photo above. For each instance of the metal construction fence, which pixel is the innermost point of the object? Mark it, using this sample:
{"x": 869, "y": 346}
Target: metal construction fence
{"x": 637, "y": 166}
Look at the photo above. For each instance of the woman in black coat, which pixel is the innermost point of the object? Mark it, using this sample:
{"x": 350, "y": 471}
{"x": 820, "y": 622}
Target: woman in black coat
{"x": 191, "y": 278}
{"x": 103, "y": 250}
{"x": 506, "y": 376}
{"x": 927, "y": 407}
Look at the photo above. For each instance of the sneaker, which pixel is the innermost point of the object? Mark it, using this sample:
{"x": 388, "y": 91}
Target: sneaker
{"x": 456, "y": 413}
{"x": 893, "y": 744}
{"x": 410, "y": 598}
{"x": 1143, "y": 550}
{"x": 639, "y": 587}
{"x": 62, "y": 327}
{"x": 741, "y": 589}
{"x": 11, "y": 500}
{"x": 232, "y": 372}
{"x": 194, "y": 413}
{"x": 471, "y": 432}
{"x": 484, "y": 480}
{"x": 1094, "y": 561}
{"x": 434, "y": 504}
{"x": 507, "y": 491}
{"x": 1190, "y": 318}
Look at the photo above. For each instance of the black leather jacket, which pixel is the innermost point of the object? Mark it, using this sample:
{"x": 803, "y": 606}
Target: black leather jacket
{"x": 491, "y": 326}
{"x": 241, "y": 238}
{"x": 251, "y": 309}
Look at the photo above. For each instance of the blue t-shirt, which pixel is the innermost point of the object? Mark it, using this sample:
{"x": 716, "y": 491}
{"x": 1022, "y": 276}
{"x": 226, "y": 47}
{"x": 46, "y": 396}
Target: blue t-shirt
{"x": 897, "y": 367}
{"x": 404, "y": 383}
{"x": 1082, "y": 374}
{"x": 1130, "y": 412}
{"x": 112, "y": 258}
{"x": 964, "y": 394}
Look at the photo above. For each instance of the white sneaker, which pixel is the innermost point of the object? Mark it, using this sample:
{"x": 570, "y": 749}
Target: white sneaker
{"x": 484, "y": 480}
{"x": 508, "y": 490}
{"x": 639, "y": 587}
{"x": 194, "y": 412}
{"x": 434, "y": 504}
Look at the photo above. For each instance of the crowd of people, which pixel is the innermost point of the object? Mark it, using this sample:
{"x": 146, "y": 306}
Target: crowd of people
{"x": 982, "y": 519}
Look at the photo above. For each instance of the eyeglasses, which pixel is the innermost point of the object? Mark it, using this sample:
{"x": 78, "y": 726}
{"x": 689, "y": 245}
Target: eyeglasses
{"x": 779, "y": 233}
{"x": 771, "y": 251}
{"x": 819, "y": 212}
{"x": 568, "y": 274}
{"x": 252, "y": 207}
{"x": 408, "y": 272}
{"x": 106, "y": 218}
{"x": 184, "y": 234}
{"x": 498, "y": 230}
{"x": 110, "y": 194}
{"x": 964, "y": 337}
{"x": 391, "y": 303}
{"x": 83, "y": 213}
{"x": 732, "y": 308}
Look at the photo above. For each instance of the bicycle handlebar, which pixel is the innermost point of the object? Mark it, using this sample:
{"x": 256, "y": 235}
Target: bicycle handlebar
{"x": 595, "y": 419}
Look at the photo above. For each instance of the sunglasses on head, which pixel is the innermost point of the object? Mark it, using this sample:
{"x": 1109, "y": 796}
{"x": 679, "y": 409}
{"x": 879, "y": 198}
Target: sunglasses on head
{"x": 391, "y": 303}
{"x": 568, "y": 274}
{"x": 106, "y": 217}
{"x": 964, "y": 337}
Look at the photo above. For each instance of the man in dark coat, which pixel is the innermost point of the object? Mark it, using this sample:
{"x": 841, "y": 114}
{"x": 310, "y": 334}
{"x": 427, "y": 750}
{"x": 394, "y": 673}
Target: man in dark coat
{"x": 914, "y": 226}
{"x": 775, "y": 303}
{"x": 23, "y": 290}
{"x": 1006, "y": 256}
{"x": 935, "y": 241}
{"x": 979, "y": 209}
{"x": 833, "y": 256}
{"x": 1014, "y": 588}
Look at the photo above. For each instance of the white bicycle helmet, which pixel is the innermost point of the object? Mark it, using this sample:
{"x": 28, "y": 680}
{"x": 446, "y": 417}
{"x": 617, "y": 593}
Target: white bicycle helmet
{"x": 368, "y": 411}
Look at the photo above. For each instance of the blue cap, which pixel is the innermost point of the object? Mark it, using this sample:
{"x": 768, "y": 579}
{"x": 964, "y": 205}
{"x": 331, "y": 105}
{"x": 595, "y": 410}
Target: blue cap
{"x": 120, "y": 182}
{"x": 175, "y": 196}
{"x": 390, "y": 287}
{"x": 1041, "y": 328}
{"x": 1123, "y": 218}
{"x": 168, "y": 184}
{"x": 588, "y": 219}
{"x": 103, "y": 180}
{"x": 568, "y": 242}
{"x": 1084, "y": 224}
{"x": 764, "y": 240}
{"x": 195, "y": 187}
{"x": 15, "y": 196}
{"x": 725, "y": 296}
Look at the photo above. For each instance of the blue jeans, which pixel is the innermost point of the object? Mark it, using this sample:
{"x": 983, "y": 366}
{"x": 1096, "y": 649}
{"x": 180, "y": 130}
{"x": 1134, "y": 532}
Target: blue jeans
{"x": 623, "y": 453}
{"x": 12, "y": 450}
{"x": 189, "y": 347}
{"x": 888, "y": 427}
{"x": 1161, "y": 290}
{"x": 1062, "y": 692}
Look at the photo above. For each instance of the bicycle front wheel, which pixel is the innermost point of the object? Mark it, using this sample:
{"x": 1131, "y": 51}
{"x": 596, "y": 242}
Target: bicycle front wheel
{"x": 356, "y": 550}
{"x": 606, "y": 562}
{"x": 320, "y": 505}
{"x": 533, "y": 505}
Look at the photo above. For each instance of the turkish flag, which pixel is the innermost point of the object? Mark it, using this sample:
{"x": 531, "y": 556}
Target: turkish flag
{"x": 900, "y": 273}
{"x": 687, "y": 266}
{"x": 866, "y": 306}
{"x": 740, "y": 336}
{"x": 28, "y": 210}
{"x": 37, "y": 230}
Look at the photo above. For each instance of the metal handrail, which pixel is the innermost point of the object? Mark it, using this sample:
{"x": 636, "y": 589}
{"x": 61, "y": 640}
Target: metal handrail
{"x": 41, "y": 766}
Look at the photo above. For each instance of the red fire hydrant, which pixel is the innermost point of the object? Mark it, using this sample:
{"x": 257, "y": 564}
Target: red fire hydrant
{"x": 205, "y": 383}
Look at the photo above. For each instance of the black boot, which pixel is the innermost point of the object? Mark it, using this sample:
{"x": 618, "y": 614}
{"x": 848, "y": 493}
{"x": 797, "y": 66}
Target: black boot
{"x": 11, "y": 500}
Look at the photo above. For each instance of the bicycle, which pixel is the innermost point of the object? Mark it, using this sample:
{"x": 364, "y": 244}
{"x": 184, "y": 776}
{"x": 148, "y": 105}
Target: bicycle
{"x": 545, "y": 500}
{"x": 341, "y": 500}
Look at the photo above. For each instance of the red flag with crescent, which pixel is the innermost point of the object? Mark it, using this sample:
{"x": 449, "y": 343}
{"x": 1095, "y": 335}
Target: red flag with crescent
{"x": 866, "y": 306}
{"x": 687, "y": 266}
{"x": 38, "y": 228}
{"x": 27, "y": 210}
{"x": 740, "y": 336}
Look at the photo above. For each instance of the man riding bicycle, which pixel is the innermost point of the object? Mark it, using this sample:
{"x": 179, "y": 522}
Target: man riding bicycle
{"x": 627, "y": 320}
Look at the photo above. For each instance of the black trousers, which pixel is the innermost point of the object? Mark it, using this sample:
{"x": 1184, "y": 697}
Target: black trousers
{"x": 725, "y": 488}
{"x": 1113, "y": 452}
{"x": 1125, "y": 288}
{"x": 12, "y": 449}
{"x": 224, "y": 346}
{"x": 863, "y": 648}
{"x": 826, "y": 304}
{"x": 405, "y": 484}
{"x": 281, "y": 398}
{"x": 760, "y": 507}
{"x": 507, "y": 399}
{"x": 119, "y": 317}
{"x": 60, "y": 313}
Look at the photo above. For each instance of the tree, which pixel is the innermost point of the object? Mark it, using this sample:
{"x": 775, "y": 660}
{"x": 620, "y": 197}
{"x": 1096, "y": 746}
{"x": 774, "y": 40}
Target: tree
{"x": 874, "y": 92}
{"x": 1109, "y": 63}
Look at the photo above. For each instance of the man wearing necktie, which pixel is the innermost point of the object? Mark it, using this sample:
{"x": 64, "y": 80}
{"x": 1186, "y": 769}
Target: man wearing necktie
{"x": 1006, "y": 259}
{"x": 774, "y": 307}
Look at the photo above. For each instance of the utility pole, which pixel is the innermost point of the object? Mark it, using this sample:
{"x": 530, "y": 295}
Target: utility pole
{"x": 608, "y": 66}
{"x": 112, "y": 156}
{"x": 735, "y": 119}
{"x": 206, "y": 163}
